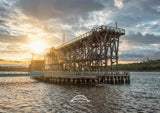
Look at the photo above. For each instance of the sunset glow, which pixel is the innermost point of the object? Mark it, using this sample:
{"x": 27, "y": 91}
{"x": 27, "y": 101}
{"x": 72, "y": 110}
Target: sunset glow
{"x": 29, "y": 27}
{"x": 37, "y": 47}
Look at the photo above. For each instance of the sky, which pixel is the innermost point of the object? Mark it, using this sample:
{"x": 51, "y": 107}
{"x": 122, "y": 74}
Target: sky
{"x": 23, "y": 22}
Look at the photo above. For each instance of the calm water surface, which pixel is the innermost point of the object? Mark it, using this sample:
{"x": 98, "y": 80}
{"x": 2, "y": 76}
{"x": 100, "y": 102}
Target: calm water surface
{"x": 22, "y": 94}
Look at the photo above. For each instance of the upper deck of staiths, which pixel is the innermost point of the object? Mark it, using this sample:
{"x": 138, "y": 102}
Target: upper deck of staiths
{"x": 101, "y": 29}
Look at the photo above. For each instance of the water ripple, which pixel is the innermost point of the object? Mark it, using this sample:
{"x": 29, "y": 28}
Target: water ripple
{"x": 22, "y": 94}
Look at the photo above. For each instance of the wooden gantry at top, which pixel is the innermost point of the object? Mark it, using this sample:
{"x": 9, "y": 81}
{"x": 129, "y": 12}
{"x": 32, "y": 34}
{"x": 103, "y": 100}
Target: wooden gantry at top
{"x": 96, "y": 50}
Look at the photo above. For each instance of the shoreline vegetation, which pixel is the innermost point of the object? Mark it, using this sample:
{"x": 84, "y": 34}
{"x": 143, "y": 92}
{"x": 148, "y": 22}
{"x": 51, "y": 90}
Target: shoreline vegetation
{"x": 148, "y": 66}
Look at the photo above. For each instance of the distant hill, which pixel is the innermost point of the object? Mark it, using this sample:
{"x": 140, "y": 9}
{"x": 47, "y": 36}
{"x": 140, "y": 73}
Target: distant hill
{"x": 13, "y": 68}
{"x": 152, "y": 65}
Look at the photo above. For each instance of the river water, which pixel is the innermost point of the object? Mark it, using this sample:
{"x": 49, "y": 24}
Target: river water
{"x": 22, "y": 94}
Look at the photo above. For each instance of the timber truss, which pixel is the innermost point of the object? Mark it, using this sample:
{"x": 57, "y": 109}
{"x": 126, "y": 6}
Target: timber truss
{"x": 96, "y": 50}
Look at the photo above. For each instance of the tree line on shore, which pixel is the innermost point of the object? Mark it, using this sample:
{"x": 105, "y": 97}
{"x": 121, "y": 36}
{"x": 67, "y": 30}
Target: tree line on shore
{"x": 152, "y": 65}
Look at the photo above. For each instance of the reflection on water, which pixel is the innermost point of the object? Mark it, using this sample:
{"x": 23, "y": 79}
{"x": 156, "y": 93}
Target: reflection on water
{"x": 22, "y": 94}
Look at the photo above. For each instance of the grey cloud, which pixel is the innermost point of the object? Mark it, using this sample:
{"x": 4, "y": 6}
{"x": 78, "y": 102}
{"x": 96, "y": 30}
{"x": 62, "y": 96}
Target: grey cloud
{"x": 131, "y": 56}
{"x": 2, "y": 6}
{"x": 2, "y": 9}
{"x": 136, "y": 12}
{"x": 140, "y": 47}
{"x": 3, "y": 23}
{"x": 139, "y": 55}
{"x": 80, "y": 27}
{"x": 6, "y": 37}
{"x": 139, "y": 39}
{"x": 14, "y": 48}
{"x": 155, "y": 28}
{"x": 6, "y": 11}
{"x": 68, "y": 9}
{"x": 156, "y": 55}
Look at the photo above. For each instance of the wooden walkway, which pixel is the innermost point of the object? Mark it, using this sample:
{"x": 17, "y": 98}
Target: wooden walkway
{"x": 59, "y": 77}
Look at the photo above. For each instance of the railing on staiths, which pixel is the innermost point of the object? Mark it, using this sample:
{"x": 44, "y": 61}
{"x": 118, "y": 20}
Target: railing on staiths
{"x": 83, "y": 74}
{"x": 97, "y": 29}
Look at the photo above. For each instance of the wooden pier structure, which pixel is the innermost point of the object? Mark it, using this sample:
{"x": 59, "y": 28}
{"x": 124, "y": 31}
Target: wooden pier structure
{"x": 90, "y": 58}
{"x": 85, "y": 78}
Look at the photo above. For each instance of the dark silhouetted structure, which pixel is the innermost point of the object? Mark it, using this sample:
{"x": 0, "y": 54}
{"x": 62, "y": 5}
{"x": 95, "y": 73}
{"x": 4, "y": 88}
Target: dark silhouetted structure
{"x": 96, "y": 50}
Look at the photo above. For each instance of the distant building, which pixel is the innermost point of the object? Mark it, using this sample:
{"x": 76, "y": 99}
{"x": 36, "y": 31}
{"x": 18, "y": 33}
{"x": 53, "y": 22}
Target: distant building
{"x": 148, "y": 59}
{"x": 37, "y": 65}
{"x": 143, "y": 60}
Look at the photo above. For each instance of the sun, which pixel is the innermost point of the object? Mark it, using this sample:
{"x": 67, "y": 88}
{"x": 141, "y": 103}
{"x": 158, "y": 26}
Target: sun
{"x": 37, "y": 47}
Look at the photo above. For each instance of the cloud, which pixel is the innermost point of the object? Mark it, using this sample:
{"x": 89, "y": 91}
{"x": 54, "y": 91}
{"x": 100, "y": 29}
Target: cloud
{"x": 11, "y": 51}
{"x": 156, "y": 55}
{"x": 131, "y": 56}
{"x": 138, "y": 39}
{"x": 139, "y": 54}
{"x": 135, "y": 12}
{"x": 158, "y": 8}
{"x": 7, "y": 37}
{"x": 67, "y": 9}
{"x": 118, "y": 3}
{"x": 1, "y": 59}
{"x": 136, "y": 47}
{"x": 25, "y": 21}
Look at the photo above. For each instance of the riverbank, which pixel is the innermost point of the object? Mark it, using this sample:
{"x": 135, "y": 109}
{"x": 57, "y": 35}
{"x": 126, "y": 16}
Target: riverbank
{"x": 149, "y": 66}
